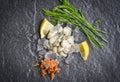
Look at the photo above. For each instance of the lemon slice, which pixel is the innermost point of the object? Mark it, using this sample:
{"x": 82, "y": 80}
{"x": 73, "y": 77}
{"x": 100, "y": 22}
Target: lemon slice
{"x": 45, "y": 27}
{"x": 84, "y": 50}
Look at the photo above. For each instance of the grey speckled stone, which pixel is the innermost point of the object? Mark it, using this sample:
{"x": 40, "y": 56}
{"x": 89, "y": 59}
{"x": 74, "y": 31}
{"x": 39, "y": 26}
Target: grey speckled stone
{"x": 19, "y": 40}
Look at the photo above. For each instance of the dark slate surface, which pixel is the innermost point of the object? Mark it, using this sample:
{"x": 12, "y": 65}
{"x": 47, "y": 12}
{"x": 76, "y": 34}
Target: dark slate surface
{"x": 19, "y": 37}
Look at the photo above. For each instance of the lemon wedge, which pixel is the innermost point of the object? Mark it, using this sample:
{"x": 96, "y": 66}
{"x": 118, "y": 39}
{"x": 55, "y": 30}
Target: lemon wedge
{"x": 84, "y": 50}
{"x": 45, "y": 27}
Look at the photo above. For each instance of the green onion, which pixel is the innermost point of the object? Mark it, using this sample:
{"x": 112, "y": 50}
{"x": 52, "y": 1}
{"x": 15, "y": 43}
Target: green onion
{"x": 67, "y": 13}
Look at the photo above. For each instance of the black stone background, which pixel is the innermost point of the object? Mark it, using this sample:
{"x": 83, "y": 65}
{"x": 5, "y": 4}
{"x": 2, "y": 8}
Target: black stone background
{"x": 19, "y": 37}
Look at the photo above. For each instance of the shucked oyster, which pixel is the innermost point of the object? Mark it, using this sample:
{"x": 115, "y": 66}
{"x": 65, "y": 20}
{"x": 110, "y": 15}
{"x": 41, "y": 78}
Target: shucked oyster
{"x": 60, "y": 41}
{"x": 51, "y": 34}
{"x": 67, "y": 31}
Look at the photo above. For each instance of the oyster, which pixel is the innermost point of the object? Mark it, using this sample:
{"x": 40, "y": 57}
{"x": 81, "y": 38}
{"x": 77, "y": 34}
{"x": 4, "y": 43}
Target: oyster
{"x": 60, "y": 41}
{"x": 67, "y": 31}
{"x": 60, "y": 49}
{"x": 51, "y": 34}
{"x": 65, "y": 44}
{"x": 63, "y": 54}
{"x": 55, "y": 49}
{"x": 71, "y": 40}
{"x": 53, "y": 39}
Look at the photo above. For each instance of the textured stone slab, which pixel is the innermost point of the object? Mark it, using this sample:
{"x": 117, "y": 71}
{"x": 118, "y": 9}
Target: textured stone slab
{"x": 20, "y": 43}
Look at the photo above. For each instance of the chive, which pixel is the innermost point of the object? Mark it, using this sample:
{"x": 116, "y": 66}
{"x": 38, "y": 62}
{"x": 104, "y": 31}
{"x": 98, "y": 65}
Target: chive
{"x": 67, "y": 13}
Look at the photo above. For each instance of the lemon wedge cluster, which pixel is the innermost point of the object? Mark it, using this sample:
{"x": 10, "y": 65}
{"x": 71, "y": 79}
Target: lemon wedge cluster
{"x": 45, "y": 27}
{"x": 84, "y": 50}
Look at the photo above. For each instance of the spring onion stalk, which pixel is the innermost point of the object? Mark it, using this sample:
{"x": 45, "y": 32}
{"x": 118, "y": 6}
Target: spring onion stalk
{"x": 67, "y": 13}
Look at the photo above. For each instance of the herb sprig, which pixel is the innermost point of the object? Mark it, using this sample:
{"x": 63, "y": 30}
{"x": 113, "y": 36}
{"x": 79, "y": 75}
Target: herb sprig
{"x": 67, "y": 13}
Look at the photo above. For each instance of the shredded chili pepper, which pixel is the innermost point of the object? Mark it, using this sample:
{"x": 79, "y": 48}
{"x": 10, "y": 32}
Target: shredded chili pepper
{"x": 48, "y": 66}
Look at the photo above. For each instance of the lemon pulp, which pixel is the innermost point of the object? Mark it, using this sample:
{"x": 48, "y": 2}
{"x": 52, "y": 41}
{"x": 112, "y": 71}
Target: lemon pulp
{"x": 84, "y": 50}
{"x": 45, "y": 27}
